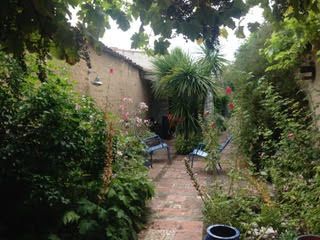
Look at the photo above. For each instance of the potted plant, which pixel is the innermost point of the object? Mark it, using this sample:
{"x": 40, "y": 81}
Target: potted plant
{"x": 222, "y": 232}
{"x": 309, "y": 237}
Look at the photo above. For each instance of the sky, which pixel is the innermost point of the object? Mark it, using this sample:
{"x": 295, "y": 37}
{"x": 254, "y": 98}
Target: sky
{"x": 115, "y": 37}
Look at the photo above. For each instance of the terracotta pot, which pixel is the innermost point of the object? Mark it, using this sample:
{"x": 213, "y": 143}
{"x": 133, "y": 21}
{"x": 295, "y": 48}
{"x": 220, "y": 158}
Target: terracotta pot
{"x": 309, "y": 237}
{"x": 222, "y": 232}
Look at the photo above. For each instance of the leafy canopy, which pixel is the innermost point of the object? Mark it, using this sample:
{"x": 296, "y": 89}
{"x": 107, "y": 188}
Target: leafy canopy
{"x": 43, "y": 26}
{"x": 296, "y": 34}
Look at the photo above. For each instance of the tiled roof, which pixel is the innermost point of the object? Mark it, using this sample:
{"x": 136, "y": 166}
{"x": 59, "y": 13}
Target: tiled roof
{"x": 138, "y": 57}
{"x": 113, "y": 53}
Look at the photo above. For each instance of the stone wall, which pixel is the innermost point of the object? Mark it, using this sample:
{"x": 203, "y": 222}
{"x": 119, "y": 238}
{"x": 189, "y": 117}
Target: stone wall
{"x": 120, "y": 79}
{"x": 312, "y": 89}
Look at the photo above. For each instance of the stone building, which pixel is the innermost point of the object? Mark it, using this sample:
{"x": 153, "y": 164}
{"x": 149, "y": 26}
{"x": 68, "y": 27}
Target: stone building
{"x": 120, "y": 74}
{"x": 158, "y": 107}
{"x": 111, "y": 78}
{"x": 310, "y": 83}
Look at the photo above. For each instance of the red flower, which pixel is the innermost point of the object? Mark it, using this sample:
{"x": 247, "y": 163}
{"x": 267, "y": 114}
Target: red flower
{"x": 228, "y": 90}
{"x": 111, "y": 70}
{"x": 231, "y": 106}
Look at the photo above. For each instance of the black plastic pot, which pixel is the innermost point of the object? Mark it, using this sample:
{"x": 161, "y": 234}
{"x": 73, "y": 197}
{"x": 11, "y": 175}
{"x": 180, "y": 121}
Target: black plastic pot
{"x": 309, "y": 237}
{"x": 222, "y": 232}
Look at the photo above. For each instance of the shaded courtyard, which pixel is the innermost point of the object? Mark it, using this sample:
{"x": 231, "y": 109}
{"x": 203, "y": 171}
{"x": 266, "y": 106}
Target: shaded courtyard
{"x": 176, "y": 209}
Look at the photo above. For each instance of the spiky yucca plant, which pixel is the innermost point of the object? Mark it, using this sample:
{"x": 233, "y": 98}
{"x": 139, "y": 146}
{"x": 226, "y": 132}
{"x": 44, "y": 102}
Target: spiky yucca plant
{"x": 186, "y": 82}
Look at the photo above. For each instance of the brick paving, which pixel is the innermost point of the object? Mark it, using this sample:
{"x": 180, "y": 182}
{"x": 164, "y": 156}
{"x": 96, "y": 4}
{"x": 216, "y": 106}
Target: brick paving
{"x": 176, "y": 208}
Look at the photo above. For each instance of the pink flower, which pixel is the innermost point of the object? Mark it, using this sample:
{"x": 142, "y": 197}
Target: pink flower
{"x": 121, "y": 107}
{"x": 231, "y": 106}
{"x": 290, "y": 136}
{"x": 111, "y": 70}
{"x": 125, "y": 116}
{"x": 228, "y": 90}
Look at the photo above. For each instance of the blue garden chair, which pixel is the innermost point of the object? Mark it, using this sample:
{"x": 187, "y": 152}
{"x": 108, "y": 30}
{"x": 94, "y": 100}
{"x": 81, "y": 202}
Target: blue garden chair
{"x": 199, "y": 151}
{"x": 154, "y": 144}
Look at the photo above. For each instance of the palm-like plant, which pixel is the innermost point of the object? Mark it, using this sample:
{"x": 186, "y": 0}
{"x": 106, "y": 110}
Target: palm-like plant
{"x": 186, "y": 83}
{"x": 213, "y": 60}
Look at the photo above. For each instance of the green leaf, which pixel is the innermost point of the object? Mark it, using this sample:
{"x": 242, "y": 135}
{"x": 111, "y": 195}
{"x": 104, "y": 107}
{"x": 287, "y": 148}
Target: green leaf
{"x": 42, "y": 7}
{"x": 53, "y": 237}
{"x": 239, "y": 32}
{"x": 224, "y": 33}
{"x": 139, "y": 40}
{"x": 70, "y": 217}
{"x": 121, "y": 18}
{"x": 161, "y": 46}
{"x": 253, "y": 27}
{"x": 86, "y": 226}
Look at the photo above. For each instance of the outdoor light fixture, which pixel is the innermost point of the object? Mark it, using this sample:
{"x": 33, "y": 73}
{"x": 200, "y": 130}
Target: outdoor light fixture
{"x": 308, "y": 72}
{"x": 97, "y": 81}
{"x": 308, "y": 66}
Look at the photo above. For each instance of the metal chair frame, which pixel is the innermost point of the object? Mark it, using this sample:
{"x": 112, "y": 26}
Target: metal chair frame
{"x": 199, "y": 152}
{"x": 151, "y": 148}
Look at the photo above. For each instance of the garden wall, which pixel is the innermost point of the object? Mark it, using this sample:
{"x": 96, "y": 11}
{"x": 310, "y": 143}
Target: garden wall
{"x": 313, "y": 91}
{"x": 120, "y": 79}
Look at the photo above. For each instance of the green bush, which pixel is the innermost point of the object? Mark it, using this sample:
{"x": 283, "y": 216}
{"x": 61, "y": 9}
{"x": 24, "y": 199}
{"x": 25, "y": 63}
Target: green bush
{"x": 247, "y": 212}
{"x": 53, "y": 150}
{"x": 184, "y": 145}
{"x": 210, "y": 134}
{"x": 120, "y": 215}
{"x": 275, "y": 131}
{"x": 287, "y": 153}
{"x": 238, "y": 210}
{"x": 126, "y": 205}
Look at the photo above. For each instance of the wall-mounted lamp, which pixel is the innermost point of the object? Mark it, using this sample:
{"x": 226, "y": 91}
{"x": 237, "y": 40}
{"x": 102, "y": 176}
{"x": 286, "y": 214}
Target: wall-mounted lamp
{"x": 308, "y": 72}
{"x": 97, "y": 81}
{"x": 308, "y": 66}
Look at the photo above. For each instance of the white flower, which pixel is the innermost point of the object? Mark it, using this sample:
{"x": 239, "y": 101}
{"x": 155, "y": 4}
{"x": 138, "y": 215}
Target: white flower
{"x": 270, "y": 230}
{"x": 127, "y": 99}
{"x": 143, "y": 106}
{"x": 138, "y": 121}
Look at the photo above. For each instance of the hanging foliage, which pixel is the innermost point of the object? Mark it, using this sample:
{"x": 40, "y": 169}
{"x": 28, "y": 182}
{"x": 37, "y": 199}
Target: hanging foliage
{"x": 45, "y": 26}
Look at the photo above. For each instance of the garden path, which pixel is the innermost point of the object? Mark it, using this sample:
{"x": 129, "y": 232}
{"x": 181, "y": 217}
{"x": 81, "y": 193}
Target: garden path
{"x": 176, "y": 208}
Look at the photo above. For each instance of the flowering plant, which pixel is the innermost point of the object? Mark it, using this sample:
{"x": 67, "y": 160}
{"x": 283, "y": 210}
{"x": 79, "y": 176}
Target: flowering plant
{"x": 229, "y": 93}
{"x": 210, "y": 134}
{"x": 133, "y": 122}
{"x": 228, "y": 90}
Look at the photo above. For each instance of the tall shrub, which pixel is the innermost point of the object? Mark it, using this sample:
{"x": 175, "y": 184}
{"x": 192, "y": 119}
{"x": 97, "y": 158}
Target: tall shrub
{"x": 52, "y": 150}
{"x": 186, "y": 83}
